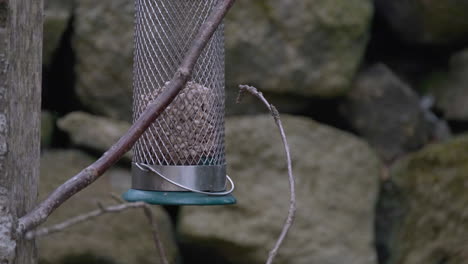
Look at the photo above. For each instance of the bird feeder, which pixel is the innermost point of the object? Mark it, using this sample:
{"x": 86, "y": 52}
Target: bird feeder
{"x": 180, "y": 159}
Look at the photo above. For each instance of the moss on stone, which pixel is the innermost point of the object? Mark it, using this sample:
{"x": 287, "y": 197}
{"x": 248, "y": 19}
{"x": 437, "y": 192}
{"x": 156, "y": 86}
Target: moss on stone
{"x": 320, "y": 41}
{"x": 337, "y": 176}
{"x": 434, "y": 226}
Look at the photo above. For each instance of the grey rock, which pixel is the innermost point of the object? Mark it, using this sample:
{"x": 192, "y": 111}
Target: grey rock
{"x": 430, "y": 198}
{"x": 387, "y": 112}
{"x": 450, "y": 89}
{"x": 57, "y": 15}
{"x": 93, "y": 132}
{"x": 440, "y": 127}
{"x": 304, "y": 47}
{"x": 426, "y": 22}
{"x": 47, "y": 128}
{"x": 337, "y": 180}
{"x": 103, "y": 43}
{"x": 122, "y": 238}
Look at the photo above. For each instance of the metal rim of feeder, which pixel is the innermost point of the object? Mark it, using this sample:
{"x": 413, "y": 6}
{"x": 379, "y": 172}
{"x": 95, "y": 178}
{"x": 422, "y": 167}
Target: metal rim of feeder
{"x": 180, "y": 159}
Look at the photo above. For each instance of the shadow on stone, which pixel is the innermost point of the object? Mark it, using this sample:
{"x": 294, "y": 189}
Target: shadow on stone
{"x": 87, "y": 258}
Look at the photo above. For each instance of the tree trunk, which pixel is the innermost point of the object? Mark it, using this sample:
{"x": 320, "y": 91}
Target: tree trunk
{"x": 20, "y": 99}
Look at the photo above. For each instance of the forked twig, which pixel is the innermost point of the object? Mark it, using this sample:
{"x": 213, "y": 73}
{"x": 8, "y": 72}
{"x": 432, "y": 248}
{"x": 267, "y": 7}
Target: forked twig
{"x": 292, "y": 201}
{"x": 41, "y": 232}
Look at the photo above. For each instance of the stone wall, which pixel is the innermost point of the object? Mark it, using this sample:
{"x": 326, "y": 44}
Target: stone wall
{"x": 374, "y": 98}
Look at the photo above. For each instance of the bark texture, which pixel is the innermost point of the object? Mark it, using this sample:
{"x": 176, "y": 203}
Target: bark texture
{"x": 20, "y": 100}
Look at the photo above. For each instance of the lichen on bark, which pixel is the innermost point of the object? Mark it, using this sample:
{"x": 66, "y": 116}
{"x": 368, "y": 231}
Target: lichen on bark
{"x": 7, "y": 243}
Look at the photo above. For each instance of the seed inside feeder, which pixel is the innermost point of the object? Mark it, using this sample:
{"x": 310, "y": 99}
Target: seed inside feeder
{"x": 188, "y": 126}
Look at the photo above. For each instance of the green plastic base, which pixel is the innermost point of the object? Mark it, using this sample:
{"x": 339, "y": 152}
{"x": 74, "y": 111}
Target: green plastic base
{"x": 176, "y": 198}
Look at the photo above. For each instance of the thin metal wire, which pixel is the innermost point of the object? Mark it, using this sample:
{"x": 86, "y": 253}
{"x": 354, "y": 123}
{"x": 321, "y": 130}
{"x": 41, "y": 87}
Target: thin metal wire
{"x": 191, "y": 130}
{"x": 146, "y": 167}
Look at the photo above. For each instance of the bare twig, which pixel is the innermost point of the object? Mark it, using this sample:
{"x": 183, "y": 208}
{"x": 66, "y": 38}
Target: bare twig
{"x": 292, "y": 201}
{"x": 116, "y": 198}
{"x": 87, "y": 176}
{"x": 81, "y": 218}
{"x": 155, "y": 231}
{"x": 101, "y": 211}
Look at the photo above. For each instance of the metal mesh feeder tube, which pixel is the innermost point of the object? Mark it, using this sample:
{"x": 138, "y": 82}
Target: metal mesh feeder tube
{"x": 180, "y": 159}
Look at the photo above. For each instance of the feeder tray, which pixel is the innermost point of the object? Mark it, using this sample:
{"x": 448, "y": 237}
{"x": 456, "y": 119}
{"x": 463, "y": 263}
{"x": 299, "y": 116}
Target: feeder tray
{"x": 180, "y": 159}
{"x": 177, "y": 198}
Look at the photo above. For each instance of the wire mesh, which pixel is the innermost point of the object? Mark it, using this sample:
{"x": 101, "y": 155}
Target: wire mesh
{"x": 191, "y": 129}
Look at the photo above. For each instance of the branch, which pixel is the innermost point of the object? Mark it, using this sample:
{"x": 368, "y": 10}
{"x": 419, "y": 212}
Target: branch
{"x": 101, "y": 211}
{"x": 155, "y": 231}
{"x": 87, "y": 176}
{"x": 81, "y": 218}
{"x": 292, "y": 201}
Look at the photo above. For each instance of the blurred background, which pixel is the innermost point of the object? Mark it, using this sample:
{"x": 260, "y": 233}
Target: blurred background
{"x": 374, "y": 98}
